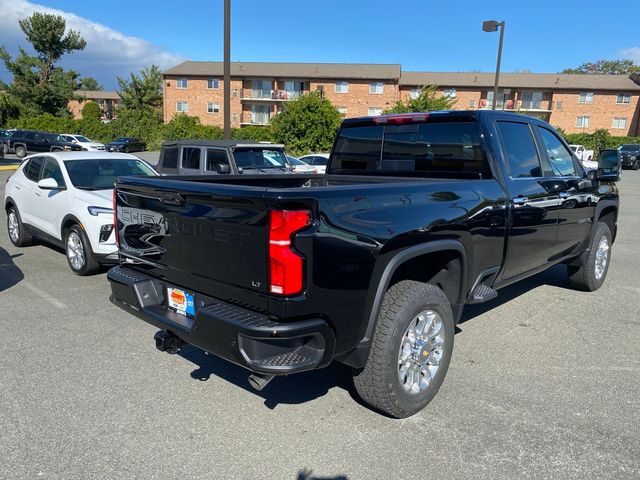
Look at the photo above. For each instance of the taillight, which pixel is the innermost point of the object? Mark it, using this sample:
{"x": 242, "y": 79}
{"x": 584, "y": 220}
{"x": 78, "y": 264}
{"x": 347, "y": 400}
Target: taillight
{"x": 285, "y": 265}
{"x": 401, "y": 118}
{"x": 115, "y": 219}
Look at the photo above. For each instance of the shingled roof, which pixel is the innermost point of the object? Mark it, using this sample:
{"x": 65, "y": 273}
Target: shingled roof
{"x": 551, "y": 81}
{"x": 291, "y": 70}
{"x": 98, "y": 94}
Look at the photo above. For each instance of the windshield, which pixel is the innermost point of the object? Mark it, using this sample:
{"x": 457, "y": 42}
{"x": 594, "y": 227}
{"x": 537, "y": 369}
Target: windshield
{"x": 629, "y": 148}
{"x": 100, "y": 174}
{"x": 573, "y": 148}
{"x": 81, "y": 138}
{"x": 260, "y": 158}
{"x": 295, "y": 161}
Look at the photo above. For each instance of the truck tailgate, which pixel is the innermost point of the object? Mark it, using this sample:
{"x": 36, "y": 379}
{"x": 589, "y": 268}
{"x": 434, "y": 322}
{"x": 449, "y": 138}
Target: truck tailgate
{"x": 211, "y": 238}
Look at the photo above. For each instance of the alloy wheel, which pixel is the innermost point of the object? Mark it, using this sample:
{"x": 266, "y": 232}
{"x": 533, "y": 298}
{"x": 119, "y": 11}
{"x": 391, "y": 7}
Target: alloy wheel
{"x": 75, "y": 251}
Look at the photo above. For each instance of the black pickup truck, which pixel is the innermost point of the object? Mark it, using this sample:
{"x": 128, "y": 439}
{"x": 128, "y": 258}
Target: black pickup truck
{"x": 372, "y": 264}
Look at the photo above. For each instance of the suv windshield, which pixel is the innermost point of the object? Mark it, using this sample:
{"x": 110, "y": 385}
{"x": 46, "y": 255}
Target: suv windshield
{"x": 81, "y": 138}
{"x": 101, "y": 174}
{"x": 260, "y": 158}
{"x": 440, "y": 147}
{"x": 629, "y": 148}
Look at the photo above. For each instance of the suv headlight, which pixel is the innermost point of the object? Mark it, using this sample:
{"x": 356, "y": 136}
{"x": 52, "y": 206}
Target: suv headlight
{"x": 95, "y": 211}
{"x": 67, "y": 147}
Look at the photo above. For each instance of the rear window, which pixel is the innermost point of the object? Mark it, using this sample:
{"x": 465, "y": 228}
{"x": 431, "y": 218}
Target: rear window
{"x": 170, "y": 157}
{"x": 438, "y": 148}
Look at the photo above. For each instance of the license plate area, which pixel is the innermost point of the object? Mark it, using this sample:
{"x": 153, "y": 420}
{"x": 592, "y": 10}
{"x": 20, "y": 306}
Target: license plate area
{"x": 181, "y": 302}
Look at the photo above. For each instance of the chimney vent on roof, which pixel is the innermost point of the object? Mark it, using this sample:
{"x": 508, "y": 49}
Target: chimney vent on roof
{"x": 557, "y": 80}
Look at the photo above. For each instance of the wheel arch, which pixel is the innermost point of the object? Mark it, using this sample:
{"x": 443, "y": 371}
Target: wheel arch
{"x": 69, "y": 220}
{"x": 448, "y": 271}
{"x": 8, "y": 203}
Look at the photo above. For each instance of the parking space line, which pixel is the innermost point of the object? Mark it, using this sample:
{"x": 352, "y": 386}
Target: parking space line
{"x": 41, "y": 293}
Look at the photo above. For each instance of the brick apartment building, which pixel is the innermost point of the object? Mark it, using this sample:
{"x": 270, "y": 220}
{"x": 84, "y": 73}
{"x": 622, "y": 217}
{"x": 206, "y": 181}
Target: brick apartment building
{"x": 108, "y": 101}
{"x": 576, "y": 103}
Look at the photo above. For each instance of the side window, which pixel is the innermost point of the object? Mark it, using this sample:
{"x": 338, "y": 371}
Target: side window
{"x": 522, "y": 156}
{"x": 560, "y": 158}
{"x": 214, "y": 157}
{"x": 191, "y": 158}
{"x": 28, "y": 135}
{"x": 32, "y": 171}
{"x": 170, "y": 157}
{"x": 52, "y": 170}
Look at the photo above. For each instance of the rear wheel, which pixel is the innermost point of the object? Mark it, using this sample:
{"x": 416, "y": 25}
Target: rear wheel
{"x": 5, "y": 148}
{"x": 125, "y": 149}
{"x": 636, "y": 165}
{"x": 21, "y": 151}
{"x": 592, "y": 273}
{"x": 79, "y": 253}
{"x": 411, "y": 350}
{"x": 17, "y": 233}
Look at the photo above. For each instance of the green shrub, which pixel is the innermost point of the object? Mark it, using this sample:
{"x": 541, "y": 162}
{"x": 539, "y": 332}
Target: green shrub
{"x": 91, "y": 111}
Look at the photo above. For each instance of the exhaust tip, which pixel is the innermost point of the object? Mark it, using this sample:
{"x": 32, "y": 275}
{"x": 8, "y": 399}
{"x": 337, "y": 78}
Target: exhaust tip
{"x": 258, "y": 382}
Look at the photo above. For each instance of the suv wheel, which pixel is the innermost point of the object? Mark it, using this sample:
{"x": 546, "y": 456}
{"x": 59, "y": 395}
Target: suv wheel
{"x": 411, "y": 350}
{"x": 591, "y": 274}
{"x": 17, "y": 233}
{"x": 5, "y": 148}
{"x": 636, "y": 165}
{"x": 21, "y": 151}
{"x": 79, "y": 254}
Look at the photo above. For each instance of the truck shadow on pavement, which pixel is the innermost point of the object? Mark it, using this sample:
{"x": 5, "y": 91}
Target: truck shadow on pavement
{"x": 555, "y": 277}
{"x": 292, "y": 389}
{"x": 10, "y": 274}
{"x": 306, "y": 386}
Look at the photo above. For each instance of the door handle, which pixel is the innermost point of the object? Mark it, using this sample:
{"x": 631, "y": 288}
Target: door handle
{"x": 520, "y": 200}
{"x": 37, "y": 194}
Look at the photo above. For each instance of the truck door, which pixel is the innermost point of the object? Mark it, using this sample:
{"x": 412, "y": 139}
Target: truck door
{"x": 533, "y": 204}
{"x": 191, "y": 161}
{"x": 576, "y": 196}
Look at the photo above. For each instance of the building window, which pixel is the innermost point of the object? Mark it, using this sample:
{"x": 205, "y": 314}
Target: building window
{"x": 449, "y": 92}
{"x": 235, "y": 92}
{"x": 376, "y": 88}
{"x": 586, "y": 97}
{"x": 342, "y": 87}
{"x": 619, "y": 122}
{"x": 623, "y": 98}
{"x": 375, "y": 111}
{"x": 182, "y": 83}
{"x": 182, "y": 107}
{"x": 415, "y": 92}
{"x": 342, "y": 110}
{"x": 213, "y": 108}
{"x": 212, "y": 84}
{"x": 472, "y": 103}
{"x": 558, "y": 105}
{"x": 531, "y": 100}
{"x": 293, "y": 90}
{"x": 583, "y": 121}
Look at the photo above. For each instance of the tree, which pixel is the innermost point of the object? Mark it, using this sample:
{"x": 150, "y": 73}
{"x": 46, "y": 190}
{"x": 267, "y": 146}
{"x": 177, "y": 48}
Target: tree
{"x": 37, "y": 82}
{"x": 10, "y": 108}
{"x": 90, "y": 83}
{"x": 46, "y": 33}
{"x": 606, "y": 67}
{"x": 427, "y": 101}
{"x": 91, "y": 111}
{"x": 142, "y": 91}
{"x": 308, "y": 124}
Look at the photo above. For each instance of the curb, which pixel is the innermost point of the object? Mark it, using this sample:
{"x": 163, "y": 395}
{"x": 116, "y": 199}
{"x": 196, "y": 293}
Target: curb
{"x": 9, "y": 167}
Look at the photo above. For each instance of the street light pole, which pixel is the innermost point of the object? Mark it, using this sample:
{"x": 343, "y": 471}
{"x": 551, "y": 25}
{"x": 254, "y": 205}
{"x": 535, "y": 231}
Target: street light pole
{"x": 227, "y": 69}
{"x": 492, "y": 26}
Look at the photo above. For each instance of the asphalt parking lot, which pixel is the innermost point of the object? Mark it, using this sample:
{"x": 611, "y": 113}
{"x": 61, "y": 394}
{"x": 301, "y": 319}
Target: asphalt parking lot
{"x": 544, "y": 383}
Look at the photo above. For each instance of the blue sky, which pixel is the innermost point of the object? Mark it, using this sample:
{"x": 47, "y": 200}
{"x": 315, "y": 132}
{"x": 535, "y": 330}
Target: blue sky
{"x": 545, "y": 36}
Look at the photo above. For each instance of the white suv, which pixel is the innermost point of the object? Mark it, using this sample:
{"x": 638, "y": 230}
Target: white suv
{"x": 67, "y": 199}
{"x": 83, "y": 141}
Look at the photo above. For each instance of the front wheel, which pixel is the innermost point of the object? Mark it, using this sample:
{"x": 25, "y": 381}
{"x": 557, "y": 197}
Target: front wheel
{"x": 79, "y": 253}
{"x": 21, "y": 151}
{"x": 411, "y": 350}
{"x": 636, "y": 165}
{"x": 591, "y": 274}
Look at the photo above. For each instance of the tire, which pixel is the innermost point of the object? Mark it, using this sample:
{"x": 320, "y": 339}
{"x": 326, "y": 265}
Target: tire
{"x": 5, "y": 148}
{"x": 78, "y": 252}
{"x": 21, "y": 151}
{"x": 592, "y": 273}
{"x": 382, "y": 383}
{"x": 15, "y": 228}
{"x": 636, "y": 165}
{"x": 125, "y": 149}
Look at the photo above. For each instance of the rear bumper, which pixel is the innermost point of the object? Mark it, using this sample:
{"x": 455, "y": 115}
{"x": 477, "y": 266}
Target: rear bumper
{"x": 244, "y": 337}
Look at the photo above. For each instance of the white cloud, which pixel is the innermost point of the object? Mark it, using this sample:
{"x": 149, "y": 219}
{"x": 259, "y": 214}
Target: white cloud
{"x": 632, "y": 53}
{"x": 108, "y": 53}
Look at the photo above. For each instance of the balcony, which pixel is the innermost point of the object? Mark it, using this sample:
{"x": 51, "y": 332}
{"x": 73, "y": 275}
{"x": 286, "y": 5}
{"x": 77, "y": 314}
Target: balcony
{"x": 516, "y": 105}
{"x": 249, "y": 94}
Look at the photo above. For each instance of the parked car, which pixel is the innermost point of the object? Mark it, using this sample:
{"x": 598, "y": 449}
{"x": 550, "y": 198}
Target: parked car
{"x": 23, "y": 142}
{"x": 67, "y": 199}
{"x": 317, "y": 160}
{"x": 126, "y": 145}
{"x": 581, "y": 152}
{"x": 4, "y": 140}
{"x": 371, "y": 264}
{"x": 298, "y": 166}
{"x": 83, "y": 141}
{"x": 212, "y": 157}
{"x": 630, "y": 155}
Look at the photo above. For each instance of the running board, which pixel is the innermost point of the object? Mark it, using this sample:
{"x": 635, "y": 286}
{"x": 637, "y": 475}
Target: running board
{"x": 483, "y": 293}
